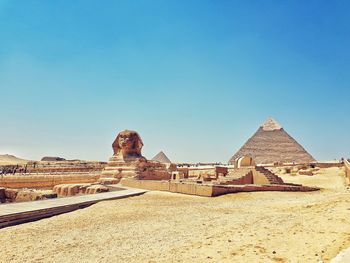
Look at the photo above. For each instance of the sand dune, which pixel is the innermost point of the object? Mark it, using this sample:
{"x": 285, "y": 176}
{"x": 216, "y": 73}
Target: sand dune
{"x": 7, "y": 159}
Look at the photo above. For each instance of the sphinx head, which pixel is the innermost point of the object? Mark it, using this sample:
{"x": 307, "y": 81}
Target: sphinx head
{"x": 127, "y": 144}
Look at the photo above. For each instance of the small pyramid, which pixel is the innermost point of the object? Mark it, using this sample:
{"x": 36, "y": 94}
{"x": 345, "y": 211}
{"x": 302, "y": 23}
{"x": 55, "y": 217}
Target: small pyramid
{"x": 270, "y": 144}
{"x": 161, "y": 157}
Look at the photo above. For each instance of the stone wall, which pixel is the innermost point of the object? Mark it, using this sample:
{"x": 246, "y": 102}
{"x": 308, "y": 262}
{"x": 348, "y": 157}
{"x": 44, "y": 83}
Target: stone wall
{"x": 327, "y": 164}
{"x": 53, "y": 167}
{"x": 175, "y": 187}
{"x": 45, "y": 180}
{"x": 196, "y": 172}
{"x": 246, "y": 179}
{"x": 63, "y": 190}
{"x": 209, "y": 190}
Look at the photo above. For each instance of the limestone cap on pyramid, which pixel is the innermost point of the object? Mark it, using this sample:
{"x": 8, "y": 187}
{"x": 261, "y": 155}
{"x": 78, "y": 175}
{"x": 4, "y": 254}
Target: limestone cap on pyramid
{"x": 270, "y": 125}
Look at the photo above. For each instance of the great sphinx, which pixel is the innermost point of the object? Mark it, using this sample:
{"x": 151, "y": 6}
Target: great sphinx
{"x": 127, "y": 160}
{"x": 127, "y": 146}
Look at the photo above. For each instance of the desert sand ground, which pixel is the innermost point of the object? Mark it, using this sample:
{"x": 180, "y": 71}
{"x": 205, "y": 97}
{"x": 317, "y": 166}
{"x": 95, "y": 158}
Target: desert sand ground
{"x": 167, "y": 227}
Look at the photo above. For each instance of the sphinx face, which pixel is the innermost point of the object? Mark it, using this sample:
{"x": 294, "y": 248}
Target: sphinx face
{"x": 127, "y": 144}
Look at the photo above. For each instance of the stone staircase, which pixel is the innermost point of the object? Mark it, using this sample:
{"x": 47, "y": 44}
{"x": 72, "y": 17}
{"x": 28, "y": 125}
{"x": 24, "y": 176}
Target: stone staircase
{"x": 238, "y": 173}
{"x": 273, "y": 178}
{"x": 245, "y": 179}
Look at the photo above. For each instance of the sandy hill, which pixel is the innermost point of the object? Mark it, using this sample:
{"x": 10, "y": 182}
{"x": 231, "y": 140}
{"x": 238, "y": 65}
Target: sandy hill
{"x": 7, "y": 159}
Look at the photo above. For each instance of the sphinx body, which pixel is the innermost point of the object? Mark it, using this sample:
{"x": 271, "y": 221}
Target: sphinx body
{"x": 127, "y": 160}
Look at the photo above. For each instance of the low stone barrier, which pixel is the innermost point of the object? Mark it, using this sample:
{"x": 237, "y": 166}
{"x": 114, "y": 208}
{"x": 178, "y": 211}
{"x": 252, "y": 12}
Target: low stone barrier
{"x": 175, "y": 187}
{"x": 327, "y": 164}
{"x": 210, "y": 190}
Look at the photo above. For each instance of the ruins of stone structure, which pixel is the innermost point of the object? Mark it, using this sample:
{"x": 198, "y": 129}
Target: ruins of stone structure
{"x": 51, "y": 167}
{"x": 249, "y": 179}
{"x": 127, "y": 160}
{"x": 48, "y": 174}
{"x": 77, "y": 177}
{"x": 205, "y": 181}
{"x": 244, "y": 161}
{"x": 272, "y": 144}
{"x": 24, "y": 195}
{"x": 75, "y": 189}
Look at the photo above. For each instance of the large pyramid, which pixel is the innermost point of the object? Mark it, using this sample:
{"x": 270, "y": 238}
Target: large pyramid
{"x": 270, "y": 144}
{"x": 161, "y": 157}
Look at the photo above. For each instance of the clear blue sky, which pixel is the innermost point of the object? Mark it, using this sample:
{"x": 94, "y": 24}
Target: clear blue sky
{"x": 194, "y": 78}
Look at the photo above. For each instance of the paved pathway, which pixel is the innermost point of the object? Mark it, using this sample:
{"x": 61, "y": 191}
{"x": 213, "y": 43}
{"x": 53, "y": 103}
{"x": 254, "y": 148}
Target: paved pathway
{"x": 16, "y": 213}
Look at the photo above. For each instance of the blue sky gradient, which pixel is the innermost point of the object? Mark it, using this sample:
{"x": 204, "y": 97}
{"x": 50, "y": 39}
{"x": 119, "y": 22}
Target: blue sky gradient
{"x": 195, "y": 78}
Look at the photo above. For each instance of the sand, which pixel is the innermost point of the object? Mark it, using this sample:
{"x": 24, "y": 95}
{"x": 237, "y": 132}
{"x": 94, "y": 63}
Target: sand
{"x": 6, "y": 159}
{"x": 167, "y": 227}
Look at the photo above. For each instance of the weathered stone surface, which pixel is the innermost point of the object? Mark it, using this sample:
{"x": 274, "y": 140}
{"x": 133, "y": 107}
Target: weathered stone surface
{"x": 32, "y": 195}
{"x": 209, "y": 189}
{"x": 128, "y": 144}
{"x": 75, "y": 189}
{"x": 11, "y": 194}
{"x": 53, "y": 167}
{"x": 128, "y": 161}
{"x": 46, "y": 180}
{"x": 272, "y": 144}
{"x": 97, "y": 188}
{"x": 107, "y": 181}
{"x": 24, "y": 195}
